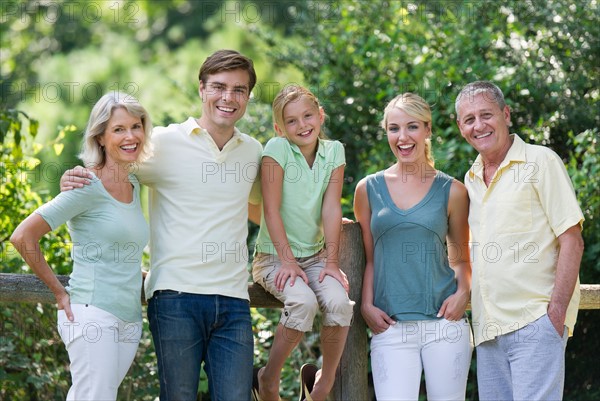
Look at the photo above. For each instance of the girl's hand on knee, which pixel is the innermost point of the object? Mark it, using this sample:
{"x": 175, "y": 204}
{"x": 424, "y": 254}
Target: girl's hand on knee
{"x": 334, "y": 271}
{"x": 289, "y": 270}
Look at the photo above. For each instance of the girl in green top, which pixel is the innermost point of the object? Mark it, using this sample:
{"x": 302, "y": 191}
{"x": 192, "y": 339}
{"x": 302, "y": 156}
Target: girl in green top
{"x": 99, "y": 313}
{"x": 296, "y": 256}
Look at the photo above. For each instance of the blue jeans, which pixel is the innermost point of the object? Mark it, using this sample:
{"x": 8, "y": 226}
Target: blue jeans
{"x": 526, "y": 364}
{"x": 189, "y": 329}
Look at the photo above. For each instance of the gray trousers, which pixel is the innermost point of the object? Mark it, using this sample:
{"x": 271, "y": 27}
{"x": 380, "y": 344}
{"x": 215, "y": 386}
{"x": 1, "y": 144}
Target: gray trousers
{"x": 526, "y": 364}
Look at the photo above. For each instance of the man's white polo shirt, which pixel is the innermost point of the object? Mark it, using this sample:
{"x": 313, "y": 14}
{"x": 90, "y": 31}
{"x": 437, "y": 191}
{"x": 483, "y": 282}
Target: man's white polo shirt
{"x": 199, "y": 210}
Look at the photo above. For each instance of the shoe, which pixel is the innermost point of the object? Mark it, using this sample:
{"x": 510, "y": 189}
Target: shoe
{"x": 255, "y": 396}
{"x": 307, "y": 380}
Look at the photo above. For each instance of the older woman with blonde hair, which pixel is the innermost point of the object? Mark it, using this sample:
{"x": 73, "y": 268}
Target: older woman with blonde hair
{"x": 99, "y": 312}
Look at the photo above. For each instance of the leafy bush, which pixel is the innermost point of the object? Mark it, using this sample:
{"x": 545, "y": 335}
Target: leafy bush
{"x": 584, "y": 168}
{"x": 32, "y": 358}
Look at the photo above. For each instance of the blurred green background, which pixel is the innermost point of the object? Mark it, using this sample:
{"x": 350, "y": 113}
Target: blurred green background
{"x": 58, "y": 57}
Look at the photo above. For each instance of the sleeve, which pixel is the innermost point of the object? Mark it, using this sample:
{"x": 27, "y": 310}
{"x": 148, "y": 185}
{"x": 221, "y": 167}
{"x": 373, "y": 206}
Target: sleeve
{"x": 148, "y": 171}
{"x": 255, "y": 192}
{"x": 255, "y": 197}
{"x": 556, "y": 194}
{"x": 339, "y": 154}
{"x": 276, "y": 149}
{"x": 136, "y": 186}
{"x": 67, "y": 205}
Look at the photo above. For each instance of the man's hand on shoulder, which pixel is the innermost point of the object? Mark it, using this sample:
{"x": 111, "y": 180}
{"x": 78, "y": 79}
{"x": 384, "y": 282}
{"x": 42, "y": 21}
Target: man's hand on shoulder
{"x": 76, "y": 177}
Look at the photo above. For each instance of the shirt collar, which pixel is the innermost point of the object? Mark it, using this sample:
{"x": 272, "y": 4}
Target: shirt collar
{"x": 320, "y": 148}
{"x": 516, "y": 153}
{"x": 190, "y": 126}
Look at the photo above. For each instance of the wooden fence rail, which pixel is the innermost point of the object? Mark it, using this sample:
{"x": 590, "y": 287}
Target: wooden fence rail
{"x": 351, "y": 379}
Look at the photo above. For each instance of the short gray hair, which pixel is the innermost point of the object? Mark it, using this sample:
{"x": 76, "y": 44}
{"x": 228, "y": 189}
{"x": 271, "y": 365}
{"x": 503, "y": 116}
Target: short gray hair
{"x": 474, "y": 88}
{"x": 92, "y": 154}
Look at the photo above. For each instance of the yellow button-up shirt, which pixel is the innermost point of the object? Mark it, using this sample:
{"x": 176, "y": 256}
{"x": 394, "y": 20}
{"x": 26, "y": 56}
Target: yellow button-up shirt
{"x": 515, "y": 223}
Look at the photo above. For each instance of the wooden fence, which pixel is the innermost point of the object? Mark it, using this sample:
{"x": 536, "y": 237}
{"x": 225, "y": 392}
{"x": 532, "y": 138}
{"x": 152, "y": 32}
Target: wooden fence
{"x": 351, "y": 378}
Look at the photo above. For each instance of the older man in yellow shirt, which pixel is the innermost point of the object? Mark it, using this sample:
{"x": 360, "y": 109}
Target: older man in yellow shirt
{"x": 526, "y": 248}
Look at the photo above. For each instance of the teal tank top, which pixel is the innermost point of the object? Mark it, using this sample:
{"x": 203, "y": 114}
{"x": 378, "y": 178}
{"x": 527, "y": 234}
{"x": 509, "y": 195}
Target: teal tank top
{"x": 412, "y": 273}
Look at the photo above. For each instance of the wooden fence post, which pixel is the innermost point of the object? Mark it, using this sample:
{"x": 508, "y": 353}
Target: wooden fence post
{"x": 351, "y": 380}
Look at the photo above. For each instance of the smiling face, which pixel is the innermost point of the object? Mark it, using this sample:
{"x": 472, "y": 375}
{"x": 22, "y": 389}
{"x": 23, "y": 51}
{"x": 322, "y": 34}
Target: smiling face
{"x": 224, "y": 97}
{"x": 485, "y": 125}
{"x": 406, "y": 136}
{"x": 123, "y": 138}
{"x": 302, "y": 120}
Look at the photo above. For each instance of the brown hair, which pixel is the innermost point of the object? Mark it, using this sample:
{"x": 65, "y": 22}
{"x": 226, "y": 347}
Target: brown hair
{"x": 227, "y": 60}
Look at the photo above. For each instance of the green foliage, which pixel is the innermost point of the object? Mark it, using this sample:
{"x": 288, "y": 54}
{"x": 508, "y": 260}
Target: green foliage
{"x": 584, "y": 168}
{"x": 60, "y": 56}
{"x": 32, "y": 358}
{"x": 581, "y": 381}
{"x": 69, "y": 53}
{"x": 356, "y": 56}
{"x": 20, "y": 169}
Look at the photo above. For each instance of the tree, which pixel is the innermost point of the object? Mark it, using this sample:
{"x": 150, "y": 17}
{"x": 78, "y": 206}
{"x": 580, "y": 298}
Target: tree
{"x": 359, "y": 55}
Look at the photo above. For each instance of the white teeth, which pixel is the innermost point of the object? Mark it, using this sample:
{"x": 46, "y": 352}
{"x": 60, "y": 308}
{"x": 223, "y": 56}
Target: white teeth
{"x": 404, "y": 147}
{"x": 226, "y": 109}
{"x": 129, "y": 147}
{"x": 305, "y": 133}
{"x": 483, "y": 135}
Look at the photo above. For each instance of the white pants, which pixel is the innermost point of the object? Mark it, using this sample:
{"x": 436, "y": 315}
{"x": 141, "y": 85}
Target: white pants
{"x": 440, "y": 347}
{"x": 101, "y": 349}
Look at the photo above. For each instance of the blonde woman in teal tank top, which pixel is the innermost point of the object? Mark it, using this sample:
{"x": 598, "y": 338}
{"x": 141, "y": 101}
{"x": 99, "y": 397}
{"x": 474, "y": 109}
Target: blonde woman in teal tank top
{"x": 418, "y": 272}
